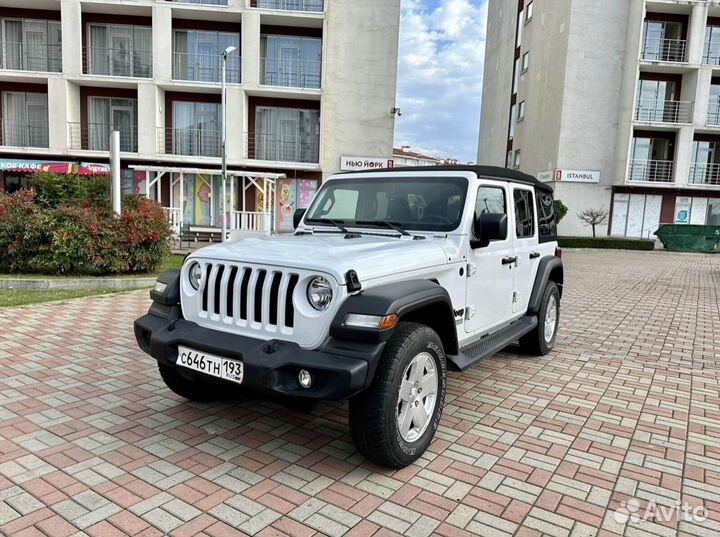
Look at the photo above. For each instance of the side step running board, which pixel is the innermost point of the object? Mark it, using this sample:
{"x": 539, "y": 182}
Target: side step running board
{"x": 493, "y": 343}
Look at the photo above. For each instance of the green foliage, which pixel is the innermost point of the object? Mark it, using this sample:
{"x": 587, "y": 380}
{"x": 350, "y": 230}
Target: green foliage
{"x": 560, "y": 211}
{"x": 75, "y": 232}
{"x": 54, "y": 190}
{"x": 606, "y": 243}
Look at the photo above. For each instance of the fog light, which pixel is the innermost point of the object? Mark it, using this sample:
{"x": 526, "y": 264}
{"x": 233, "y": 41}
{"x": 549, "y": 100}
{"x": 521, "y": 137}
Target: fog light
{"x": 160, "y": 287}
{"x": 305, "y": 378}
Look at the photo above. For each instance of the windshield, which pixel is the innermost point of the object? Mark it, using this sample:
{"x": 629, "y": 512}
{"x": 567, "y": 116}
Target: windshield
{"x": 420, "y": 203}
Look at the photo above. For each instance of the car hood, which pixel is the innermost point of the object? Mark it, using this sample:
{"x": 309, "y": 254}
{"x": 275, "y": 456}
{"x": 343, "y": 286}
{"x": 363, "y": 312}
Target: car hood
{"x": 371, "y": 256}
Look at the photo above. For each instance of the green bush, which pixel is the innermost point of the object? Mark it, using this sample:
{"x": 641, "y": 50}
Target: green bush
{"x": 560, "y": 210}
{"x": 51, "y": 235}
{"x": 53, "y": 190}
{"x": 606, "y": 243}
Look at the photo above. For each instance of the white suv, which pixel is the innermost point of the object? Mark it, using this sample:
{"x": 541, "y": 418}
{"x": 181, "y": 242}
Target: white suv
{"x": 390, "y": 278}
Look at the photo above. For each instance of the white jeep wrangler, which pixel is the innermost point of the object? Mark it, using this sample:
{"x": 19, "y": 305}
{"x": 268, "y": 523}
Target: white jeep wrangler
{"x": 390, "y": 278}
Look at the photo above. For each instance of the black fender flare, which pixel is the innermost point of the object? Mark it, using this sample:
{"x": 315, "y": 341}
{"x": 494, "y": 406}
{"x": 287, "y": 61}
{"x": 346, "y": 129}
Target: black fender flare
{"x": 550, "y": 268}
{"x": 401, "y": 299}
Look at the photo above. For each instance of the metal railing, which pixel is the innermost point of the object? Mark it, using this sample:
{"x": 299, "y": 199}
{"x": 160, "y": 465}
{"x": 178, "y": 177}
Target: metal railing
{"x": 194, "y": 142}
{"x": 96, "y": 137}
{"x": 200, "y": 2}
{"x": 290, "y": 73}
{"x": 117, "y": 62}
{"x": 30, "y": 57}
{"x": 711, "y": 53}
{"x": 317, "y": 6}
{"x": 303, "y": 149}
{"x": 659, "y": 111}
{"x": 713, "y": 115}
{"x": 252, "y": 221}
{"x": 651, "y": 171}
{"x": 25, "y": 134}
{"x": 174, "y": 216}
{"x": 205, "y": 67}
{"x": 664, "y": 50}
{"x": 705, "y": 174}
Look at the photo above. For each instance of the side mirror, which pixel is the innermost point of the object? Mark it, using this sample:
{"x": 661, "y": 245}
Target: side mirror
{"x": 297, "y": 217}
{"x": 489, "y": 227}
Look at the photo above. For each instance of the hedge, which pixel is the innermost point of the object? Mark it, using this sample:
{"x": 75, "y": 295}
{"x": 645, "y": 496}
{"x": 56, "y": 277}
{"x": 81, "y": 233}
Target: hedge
{"x": 606, "y": 243}
{"x": 51, "y": 230}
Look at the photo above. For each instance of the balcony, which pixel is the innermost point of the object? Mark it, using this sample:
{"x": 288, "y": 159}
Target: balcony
{"x": 664, "y": 50}
{"x": 26, "y": 134}
{"x": 31, "y": 57}
{"x": 290, "y": 73}
{"x": 205, "y": 67}
{"x": 272, "y": 147}
{"x": 705, "y": 174}
{"x": 664, "y": 111}
{"x": 96, "y": 137}
{"x": 117, "y": 62}
{"x": 711, "y": 56}
{"x": 191, "y": 142}
{"x": 200, "y": 2}
{"x": 713, "y": 115}
{"x": 651, "y": 171}
{"x": 314, "y": 6}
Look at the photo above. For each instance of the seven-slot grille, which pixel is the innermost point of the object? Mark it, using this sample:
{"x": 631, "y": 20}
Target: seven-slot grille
{"x": 249, "y": 296}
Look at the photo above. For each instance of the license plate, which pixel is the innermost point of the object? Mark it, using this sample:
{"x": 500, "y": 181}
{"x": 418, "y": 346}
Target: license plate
{"x": 215, "y": 366}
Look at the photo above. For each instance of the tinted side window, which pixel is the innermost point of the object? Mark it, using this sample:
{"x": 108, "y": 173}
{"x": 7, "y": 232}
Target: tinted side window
{"x": 524, "y": 214}
{"x": 490, "y": 200}
{"x": 547, "y": 227}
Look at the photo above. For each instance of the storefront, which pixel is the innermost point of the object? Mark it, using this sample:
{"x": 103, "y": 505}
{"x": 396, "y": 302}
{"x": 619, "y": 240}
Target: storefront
{"x": 14, "y": 173}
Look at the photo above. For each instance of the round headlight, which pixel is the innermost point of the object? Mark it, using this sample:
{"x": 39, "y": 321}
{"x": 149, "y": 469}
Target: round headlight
{"x": 195, "y": 274}
{"x": 319, "y": 293}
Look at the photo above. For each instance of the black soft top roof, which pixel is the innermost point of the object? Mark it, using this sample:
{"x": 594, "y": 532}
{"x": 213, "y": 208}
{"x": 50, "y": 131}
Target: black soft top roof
{"x": 504, "y": 174}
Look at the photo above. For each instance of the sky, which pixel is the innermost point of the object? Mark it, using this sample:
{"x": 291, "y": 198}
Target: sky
{"x": 442, "y": 46}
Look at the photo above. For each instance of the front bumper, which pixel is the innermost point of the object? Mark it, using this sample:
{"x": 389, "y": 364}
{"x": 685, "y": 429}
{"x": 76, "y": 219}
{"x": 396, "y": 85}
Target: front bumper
{"x": 339, "y": 369}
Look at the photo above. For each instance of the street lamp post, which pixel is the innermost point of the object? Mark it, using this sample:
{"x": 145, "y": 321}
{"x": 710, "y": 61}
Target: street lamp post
{"x": 225, "y": 54}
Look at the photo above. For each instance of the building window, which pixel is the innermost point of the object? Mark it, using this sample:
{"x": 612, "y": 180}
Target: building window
{"x": 119, "y": 50}
{"x": 518, "y": 35}
{"x": 287, "y": 134}
{"x": 509, "y": 159}
{"x": 197, "y": 56}
{"x": 711, "y": 53}
{"x": 30, "y": 45}
{"x": 516, "y": 77}
{"x": 663, "y": 41}
{"x": 106, "y": 114}
{"x": 513, "y": 119}
{"x": 516, "y": 160}
{"x": 196, "y": 129}
{"x": 24, "y": 119}
{"x": 529, "y": 11}
{"x": 290, "y": 5}
{"x": 289, "y": 61}
{"x": 525, "y": 61}
{"x": 521, "y": 111}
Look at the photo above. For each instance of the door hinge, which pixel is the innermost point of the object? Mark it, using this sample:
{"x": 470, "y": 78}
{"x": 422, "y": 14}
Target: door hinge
{"x": 471, "y": 269}
{"x": 469, "y": 312}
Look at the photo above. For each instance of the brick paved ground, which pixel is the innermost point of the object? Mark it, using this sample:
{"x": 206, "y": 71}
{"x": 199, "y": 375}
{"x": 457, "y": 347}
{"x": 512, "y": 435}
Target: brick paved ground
{"x": 92, "y": 443}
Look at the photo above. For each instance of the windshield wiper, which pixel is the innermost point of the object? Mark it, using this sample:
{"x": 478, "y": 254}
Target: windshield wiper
{"x": 392, "y": 225}
{"x": 337, "y": 223}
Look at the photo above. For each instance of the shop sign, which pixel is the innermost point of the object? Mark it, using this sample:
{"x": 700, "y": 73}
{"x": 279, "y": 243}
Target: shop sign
{"x": 53, "y": 166}
{"x": 577, "y": 176}
{"x": 683, "y": 205}
{"x": 349, "y": 164}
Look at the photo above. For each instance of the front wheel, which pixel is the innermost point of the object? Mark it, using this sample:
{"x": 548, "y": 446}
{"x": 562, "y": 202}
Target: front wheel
{"x": 542, "y": 339}
{"x": 394, "y": 421}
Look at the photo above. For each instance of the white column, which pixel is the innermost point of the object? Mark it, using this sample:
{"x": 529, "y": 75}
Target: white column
{"x": 232, "y": 202}
{"x": 71, "y": 27}
{"x": 182, "y": 198}
{"x": 147, "y": 184}
{"x": 250, "y": 48}
{"x": 683, "y": 155}
{"x": 162, "y": 43}
{"x": 696, "y": 33}
{"x": 115, "y": 168}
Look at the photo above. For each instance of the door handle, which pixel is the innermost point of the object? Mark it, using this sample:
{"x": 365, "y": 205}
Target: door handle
{"x": 509, "y": 260}
{"x": 534, "y": 255}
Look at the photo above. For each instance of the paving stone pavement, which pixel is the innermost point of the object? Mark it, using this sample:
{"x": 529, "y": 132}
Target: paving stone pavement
{"x": 626, "y": 409}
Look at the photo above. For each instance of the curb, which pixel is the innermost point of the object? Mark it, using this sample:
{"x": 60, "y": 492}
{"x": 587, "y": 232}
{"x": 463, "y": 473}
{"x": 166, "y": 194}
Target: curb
{"x": 119, "y": 284}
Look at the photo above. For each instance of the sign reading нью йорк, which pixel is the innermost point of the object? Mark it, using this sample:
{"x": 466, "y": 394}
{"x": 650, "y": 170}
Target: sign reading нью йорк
{"x": 349, "y": 164}
{"x": 577, "y": 176}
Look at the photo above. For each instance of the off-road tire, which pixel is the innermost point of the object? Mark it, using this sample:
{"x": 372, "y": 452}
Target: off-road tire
{"x": 195, "y": 390}
{"x": 534, "y": 342}
{"x": 373, "y": 419}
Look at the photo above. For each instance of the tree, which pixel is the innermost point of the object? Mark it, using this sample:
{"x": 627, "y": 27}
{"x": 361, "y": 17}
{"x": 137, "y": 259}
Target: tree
{"x": 594, "y": 217}
{"x": 560, "y": 211}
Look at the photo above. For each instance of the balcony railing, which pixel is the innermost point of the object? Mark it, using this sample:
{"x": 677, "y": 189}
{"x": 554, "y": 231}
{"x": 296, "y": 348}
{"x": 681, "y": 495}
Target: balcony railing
{"x": 174, "y": 216}
{"x": 117, "y": 62}
{"x": 26, "y": 134}
{"x": 711, "y": 54}
{"x": 651, "y": 171}
{"x": 705, "y": 174}
{"x": 252, "y": 221}
{"x": 205, "y": 67}
{"x": 96, "y": 137}
{"x": 303, "y": 149}
{"x": 664, "y": 50}
{"x": 200, "y": 2}
{"x": 317, "y": 6}
{"x": 30, "y": 57}
{"x": 290, "y": 73}
{"x": 649, "y": 111}
{"x": 193, "y": 142}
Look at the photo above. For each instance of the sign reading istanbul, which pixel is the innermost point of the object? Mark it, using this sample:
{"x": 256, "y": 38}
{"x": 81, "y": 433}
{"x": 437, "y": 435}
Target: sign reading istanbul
{"x": 577, "y": 176}
{"x": 349, "y": 164}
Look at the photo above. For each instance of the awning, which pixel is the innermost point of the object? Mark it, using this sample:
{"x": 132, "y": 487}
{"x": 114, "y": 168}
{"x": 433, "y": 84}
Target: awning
{"x": 53, "y": 166}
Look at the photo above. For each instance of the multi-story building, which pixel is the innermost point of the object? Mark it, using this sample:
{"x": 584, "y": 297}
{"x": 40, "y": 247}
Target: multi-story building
{"x": 403, "y": 156}
{"x": 307, "y": 82}
{"x": 617, "y": 103}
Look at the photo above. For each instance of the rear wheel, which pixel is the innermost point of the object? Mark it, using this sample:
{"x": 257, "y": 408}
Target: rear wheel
{"x": 542, "y": 339}
{"x": 394, "y": 421}
{"x": 196, "y": 389}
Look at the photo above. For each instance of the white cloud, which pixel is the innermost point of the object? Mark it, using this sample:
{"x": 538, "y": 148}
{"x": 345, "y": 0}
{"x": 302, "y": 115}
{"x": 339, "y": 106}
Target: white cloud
{"x": 442, "y": 48}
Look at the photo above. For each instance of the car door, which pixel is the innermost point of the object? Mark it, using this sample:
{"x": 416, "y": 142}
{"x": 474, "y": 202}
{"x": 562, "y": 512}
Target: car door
{"x": 489, "y": 275}
{"x": 527, "y": 254}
